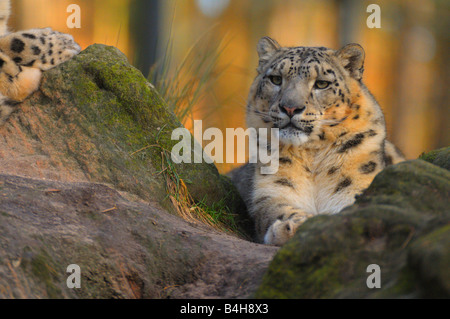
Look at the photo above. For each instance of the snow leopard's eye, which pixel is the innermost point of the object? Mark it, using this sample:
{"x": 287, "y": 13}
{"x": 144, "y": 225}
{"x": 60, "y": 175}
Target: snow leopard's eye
{"x": 321, "y": 84}
{"x": 276, "y": 80}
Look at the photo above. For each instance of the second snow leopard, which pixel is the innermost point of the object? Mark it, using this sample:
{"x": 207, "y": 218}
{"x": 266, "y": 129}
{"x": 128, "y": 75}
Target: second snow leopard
{"x": 23, "y": 57}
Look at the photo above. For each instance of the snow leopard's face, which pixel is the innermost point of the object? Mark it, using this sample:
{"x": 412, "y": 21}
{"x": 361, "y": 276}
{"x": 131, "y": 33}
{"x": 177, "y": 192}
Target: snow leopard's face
{"x": 300, "y": 90}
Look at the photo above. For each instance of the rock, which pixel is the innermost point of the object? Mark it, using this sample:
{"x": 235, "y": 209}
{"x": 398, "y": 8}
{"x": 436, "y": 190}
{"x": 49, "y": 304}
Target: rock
{"x": 124, "y": 248}
{"x": 440, "y": 157}
{"x": 400, "y": 223}
{"x": 97, "y": 119}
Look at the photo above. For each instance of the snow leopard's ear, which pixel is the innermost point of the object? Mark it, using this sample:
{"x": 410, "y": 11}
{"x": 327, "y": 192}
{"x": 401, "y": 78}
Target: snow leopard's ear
{"x": 351, "y": 57}
{"x": 266, "y": 48}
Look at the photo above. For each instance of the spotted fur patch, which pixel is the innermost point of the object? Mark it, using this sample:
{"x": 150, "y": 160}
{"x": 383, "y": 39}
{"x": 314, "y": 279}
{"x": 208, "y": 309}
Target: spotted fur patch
{"x": 368, "y": 167}
{"x": 343, "y": 184}
{"x": 284, "y": 182}
{"x": 17, "y": 45}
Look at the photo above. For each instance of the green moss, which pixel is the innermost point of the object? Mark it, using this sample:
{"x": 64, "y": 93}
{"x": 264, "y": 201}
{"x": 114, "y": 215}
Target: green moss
{"x": 440, "y": 157}
{"x": 429, "y": 260}
{"x": 42, "y": 267}
{"x": 405, "y": 286}
{"x": 5, "y": 214}
{"x": 430, "y": 156}
{"x": 398, "y": 186}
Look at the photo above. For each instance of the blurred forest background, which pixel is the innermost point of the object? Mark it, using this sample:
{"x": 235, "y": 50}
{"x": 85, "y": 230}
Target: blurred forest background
{"x": 205, "y": 52}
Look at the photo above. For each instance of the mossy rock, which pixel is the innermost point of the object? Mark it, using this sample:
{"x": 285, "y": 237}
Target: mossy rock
{"x": 440, "y": 157}
{"x": 400, "y": 223}
{"x": 97, "y": 115}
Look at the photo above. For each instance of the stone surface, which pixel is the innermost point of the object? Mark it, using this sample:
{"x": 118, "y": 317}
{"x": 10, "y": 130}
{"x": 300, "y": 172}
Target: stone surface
{"x": 124, "y": 248}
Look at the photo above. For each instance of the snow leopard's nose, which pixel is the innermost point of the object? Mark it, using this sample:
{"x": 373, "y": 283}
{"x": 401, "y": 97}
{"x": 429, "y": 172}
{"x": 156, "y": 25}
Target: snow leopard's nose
{"x": 291, "y": 111}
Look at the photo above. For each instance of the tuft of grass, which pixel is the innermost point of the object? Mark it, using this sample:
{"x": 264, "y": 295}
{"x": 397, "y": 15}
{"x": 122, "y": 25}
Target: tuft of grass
{"x": 220, "y": 216}
{"x": 183, "y": 87}
{"x": 216, "y": 215}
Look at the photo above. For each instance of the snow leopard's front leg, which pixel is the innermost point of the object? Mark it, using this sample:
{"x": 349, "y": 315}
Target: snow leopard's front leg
{"x": 275, "y": 210}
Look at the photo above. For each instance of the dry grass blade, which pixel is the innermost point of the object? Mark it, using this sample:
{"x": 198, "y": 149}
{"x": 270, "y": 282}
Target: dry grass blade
{"x": 216, "y": 216}
{"x": 186, "y": 85}
{"x": 185, "y": 205}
